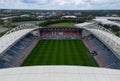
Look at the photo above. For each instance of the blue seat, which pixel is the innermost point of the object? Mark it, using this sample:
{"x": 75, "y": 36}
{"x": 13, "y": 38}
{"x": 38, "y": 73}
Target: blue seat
{"x": 15, "y": 51}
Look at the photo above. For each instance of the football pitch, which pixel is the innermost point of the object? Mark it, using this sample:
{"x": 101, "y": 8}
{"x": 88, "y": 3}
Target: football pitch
{"x": 60, "y": 52}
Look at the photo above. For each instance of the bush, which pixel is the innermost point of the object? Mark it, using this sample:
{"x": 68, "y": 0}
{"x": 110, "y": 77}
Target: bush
{"x": 20, "y": 19}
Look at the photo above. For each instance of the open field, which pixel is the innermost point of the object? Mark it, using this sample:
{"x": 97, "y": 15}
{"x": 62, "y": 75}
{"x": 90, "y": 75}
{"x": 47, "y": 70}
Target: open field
{"x": 64, "y": 25}
{"x": 60, "y": 52}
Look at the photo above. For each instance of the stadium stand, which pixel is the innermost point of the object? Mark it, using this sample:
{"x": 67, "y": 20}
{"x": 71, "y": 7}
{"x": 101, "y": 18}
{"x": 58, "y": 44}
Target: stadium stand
{"x": 14, "y": 53}
{"x": 12, "y": 57}
{"x": 105, "y": 57}
{"x": 60, "y": 33}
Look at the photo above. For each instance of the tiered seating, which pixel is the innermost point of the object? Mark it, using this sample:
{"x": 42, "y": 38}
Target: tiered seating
{"x": 115, "y": 65}
{"x": 46, "y": 34}
{"x": 108, "y": 56}
{"x": 61, "y": 35}
{"x": 3, "y": 64}
{"x": 10, "y": 56}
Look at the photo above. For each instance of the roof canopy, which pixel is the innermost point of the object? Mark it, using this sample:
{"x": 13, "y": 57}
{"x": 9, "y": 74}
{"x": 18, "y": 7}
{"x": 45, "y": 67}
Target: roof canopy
{"x": 13, "y": 35}
{"x": 106, "y": 36}
{"x": 59, "y": 73}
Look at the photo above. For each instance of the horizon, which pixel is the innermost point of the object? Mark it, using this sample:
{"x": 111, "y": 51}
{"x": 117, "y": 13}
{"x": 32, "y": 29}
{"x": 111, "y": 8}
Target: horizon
{"x": 65, "y": 10}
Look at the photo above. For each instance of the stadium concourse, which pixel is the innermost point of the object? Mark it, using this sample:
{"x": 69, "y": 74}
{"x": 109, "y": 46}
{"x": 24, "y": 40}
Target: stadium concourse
{"x": 16, "y": 45}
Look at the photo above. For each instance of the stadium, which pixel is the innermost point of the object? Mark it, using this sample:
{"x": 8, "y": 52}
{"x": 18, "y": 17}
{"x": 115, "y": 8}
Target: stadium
{"x": 86, "y": 44}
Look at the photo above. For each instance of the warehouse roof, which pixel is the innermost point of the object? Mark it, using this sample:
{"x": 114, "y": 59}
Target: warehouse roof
{"x": 104, "y": 20}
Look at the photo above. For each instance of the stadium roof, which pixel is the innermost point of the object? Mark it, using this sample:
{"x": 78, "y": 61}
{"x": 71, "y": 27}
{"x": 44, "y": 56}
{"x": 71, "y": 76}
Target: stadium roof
{"x": 107, "y": 37}
{"x": 103, "y": 34}
{"x": 112, "y": 41}
{"x": 83, "y": 24}
{"x": 69, "y": 16}
{"x": 59, "y": 73}
{"x": 13, "y": 35}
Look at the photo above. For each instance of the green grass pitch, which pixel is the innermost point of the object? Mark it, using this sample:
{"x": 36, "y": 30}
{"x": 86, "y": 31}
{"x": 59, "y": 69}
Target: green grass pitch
{"x": 64, "y": 25}
{"x": 60, "y": 52}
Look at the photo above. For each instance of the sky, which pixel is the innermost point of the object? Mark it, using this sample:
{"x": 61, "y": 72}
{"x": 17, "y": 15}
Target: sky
{"x": 60, "y": 4}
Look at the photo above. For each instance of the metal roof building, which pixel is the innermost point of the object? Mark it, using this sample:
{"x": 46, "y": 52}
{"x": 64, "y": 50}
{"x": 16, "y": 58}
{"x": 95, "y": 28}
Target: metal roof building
{"x": 105, "y": 20}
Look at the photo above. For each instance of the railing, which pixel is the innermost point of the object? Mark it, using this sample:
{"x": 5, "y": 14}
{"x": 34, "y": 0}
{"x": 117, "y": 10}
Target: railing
{"x": 96, "y": 26}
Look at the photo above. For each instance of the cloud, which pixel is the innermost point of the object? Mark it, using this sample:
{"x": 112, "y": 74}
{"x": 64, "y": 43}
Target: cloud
{"x": 60, "y": 4}
{"x": 68, "y": 2}
{"x": 29, "y": 1}
{"x": 35, "y": 1}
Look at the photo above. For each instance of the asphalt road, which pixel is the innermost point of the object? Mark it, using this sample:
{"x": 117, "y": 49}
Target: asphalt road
{"x": 2, "y": 29}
